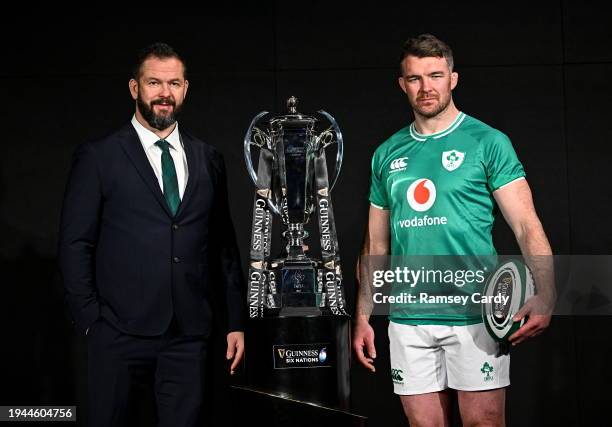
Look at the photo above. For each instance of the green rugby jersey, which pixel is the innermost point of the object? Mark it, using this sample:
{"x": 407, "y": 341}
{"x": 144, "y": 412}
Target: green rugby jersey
{"x": 439, "y": 190}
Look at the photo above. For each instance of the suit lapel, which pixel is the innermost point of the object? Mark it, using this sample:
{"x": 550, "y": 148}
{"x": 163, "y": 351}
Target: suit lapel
{"x": 133, "y": 148}
{"x": 193, "y": 168}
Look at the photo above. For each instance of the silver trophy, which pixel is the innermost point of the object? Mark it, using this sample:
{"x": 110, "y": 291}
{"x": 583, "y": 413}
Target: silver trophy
{"x": 292, "y": 183}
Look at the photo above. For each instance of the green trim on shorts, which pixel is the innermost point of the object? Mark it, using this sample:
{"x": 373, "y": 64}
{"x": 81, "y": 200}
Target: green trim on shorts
{"x": 449, "y": 322}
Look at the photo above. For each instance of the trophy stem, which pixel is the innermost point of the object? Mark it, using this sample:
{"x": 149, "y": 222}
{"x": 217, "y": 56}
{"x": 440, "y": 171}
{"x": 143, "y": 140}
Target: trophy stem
{"x": 295, "y": 236}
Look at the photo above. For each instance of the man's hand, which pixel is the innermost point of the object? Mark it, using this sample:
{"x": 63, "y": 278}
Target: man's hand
{"x": 363, "y": 336}
{"x": 538, "y": 309}
{"x": 235, "y": 349}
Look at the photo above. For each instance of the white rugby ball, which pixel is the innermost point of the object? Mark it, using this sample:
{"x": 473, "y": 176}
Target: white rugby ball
{"x": 512, "y": 279}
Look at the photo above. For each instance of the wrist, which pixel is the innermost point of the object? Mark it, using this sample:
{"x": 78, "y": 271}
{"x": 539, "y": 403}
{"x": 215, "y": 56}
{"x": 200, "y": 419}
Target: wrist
{"x": 362, "y": 319}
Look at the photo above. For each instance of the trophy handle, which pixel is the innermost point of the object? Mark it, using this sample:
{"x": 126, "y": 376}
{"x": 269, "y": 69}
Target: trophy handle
{"x": 339, "y": 141}
{"x": 247, "y": 147}
{"x": 262, "y": 140}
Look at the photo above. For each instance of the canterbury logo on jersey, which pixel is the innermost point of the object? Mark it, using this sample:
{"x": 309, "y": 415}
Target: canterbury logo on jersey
{"x": 398, "y": 164}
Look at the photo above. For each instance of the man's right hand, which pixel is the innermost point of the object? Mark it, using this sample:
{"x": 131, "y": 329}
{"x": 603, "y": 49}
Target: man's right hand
{"x": 363, "y": 338}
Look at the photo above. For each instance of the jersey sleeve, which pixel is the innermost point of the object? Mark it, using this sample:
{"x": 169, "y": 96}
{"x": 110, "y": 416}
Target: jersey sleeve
{"x": 501, "y": 163}
{"x": 378, "y": 192}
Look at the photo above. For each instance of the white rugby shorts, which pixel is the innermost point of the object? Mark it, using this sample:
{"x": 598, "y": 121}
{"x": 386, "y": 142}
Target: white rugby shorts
{"x": 430, "y": 358}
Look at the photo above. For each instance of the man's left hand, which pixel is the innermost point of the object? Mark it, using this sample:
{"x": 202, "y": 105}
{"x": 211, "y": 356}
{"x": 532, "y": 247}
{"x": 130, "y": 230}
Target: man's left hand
{"x": 235, "y": 348}
{"x": 538, "y": 312}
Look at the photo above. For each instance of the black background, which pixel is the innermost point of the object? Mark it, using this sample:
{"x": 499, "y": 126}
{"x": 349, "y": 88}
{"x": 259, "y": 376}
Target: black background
{"x": 538, "y": 71}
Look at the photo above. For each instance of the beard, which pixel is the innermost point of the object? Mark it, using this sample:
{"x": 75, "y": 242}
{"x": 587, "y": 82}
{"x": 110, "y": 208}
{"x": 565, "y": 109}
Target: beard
{"x": 442, "y": 105}
{"x": 159, "y": 121}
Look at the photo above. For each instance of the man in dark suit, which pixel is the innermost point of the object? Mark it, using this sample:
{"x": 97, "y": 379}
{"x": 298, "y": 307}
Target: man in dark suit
{"x": 145, "y": 221}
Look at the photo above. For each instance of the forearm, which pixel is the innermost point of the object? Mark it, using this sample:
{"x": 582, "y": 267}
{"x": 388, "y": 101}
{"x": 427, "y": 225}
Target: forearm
{"x": 537, "y": 252}
{"x": 364, "y": 298}
{"x": 370, "y": 254}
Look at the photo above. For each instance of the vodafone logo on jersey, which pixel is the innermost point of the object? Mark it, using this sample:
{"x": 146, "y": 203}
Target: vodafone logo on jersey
{"x": 421, "y": 194}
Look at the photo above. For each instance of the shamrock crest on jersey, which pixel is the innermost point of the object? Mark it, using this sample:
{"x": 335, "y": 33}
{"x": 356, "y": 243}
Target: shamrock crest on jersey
{"x": 452, "y": 159}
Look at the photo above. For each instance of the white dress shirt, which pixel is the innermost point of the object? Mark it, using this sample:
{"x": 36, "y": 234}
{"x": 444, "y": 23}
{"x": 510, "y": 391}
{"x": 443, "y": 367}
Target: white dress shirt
{"x": 153, "y": 152}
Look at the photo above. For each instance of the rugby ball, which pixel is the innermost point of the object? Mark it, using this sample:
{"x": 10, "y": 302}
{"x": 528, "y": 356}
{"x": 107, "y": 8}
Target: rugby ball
{"x": 506, "y": 290}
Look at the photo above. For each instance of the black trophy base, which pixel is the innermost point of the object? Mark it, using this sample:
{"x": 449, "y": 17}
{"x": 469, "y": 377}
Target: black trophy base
{"x": 300, "y": 358}
{"x": 258, "y": 407}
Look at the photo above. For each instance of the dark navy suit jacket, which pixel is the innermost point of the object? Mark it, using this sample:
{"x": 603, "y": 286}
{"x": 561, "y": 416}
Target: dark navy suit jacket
{"x": 125, "y": 257}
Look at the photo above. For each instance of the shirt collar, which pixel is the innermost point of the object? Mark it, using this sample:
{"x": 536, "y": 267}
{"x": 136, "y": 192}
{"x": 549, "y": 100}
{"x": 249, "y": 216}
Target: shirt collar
{"x": 149, "y": 138}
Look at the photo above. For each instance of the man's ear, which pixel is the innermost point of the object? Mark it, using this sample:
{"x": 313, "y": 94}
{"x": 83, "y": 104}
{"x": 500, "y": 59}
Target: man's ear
{"x": 402, "y": 83}
{"x": 454, "y": 79}
{"x": 133, "y": 85}
{"x": 186, "y": 87}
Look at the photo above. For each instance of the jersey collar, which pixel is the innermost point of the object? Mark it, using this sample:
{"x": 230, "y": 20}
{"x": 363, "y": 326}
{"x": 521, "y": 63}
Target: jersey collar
{"x": 454, "y": 125}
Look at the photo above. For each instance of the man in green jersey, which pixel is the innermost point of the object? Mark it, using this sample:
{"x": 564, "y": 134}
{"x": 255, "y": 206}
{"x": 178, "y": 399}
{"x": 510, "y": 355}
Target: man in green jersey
{"x": 434, "y": 190}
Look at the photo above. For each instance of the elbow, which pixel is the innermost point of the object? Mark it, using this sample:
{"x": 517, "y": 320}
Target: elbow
{"x": 379, "y": 250}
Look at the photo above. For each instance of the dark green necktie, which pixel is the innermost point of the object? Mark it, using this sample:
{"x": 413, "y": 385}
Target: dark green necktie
{"x": 171, "y": 191}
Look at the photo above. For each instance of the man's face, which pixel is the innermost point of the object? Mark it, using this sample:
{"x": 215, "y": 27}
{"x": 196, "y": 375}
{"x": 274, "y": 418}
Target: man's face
{"x": 428, "y": 83}
{"x": 160, "y": 91}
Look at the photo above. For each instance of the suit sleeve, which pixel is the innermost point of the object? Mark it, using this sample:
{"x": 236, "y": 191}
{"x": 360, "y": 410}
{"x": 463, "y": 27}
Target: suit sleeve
{"x": 78, "y": 236}
{"x": 224, "y": 246}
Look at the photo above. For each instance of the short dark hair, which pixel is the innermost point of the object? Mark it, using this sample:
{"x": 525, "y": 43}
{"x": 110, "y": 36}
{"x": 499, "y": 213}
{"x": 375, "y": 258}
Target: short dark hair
{"x": 156, "y": 50}
{"x": 426, "y": 45}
